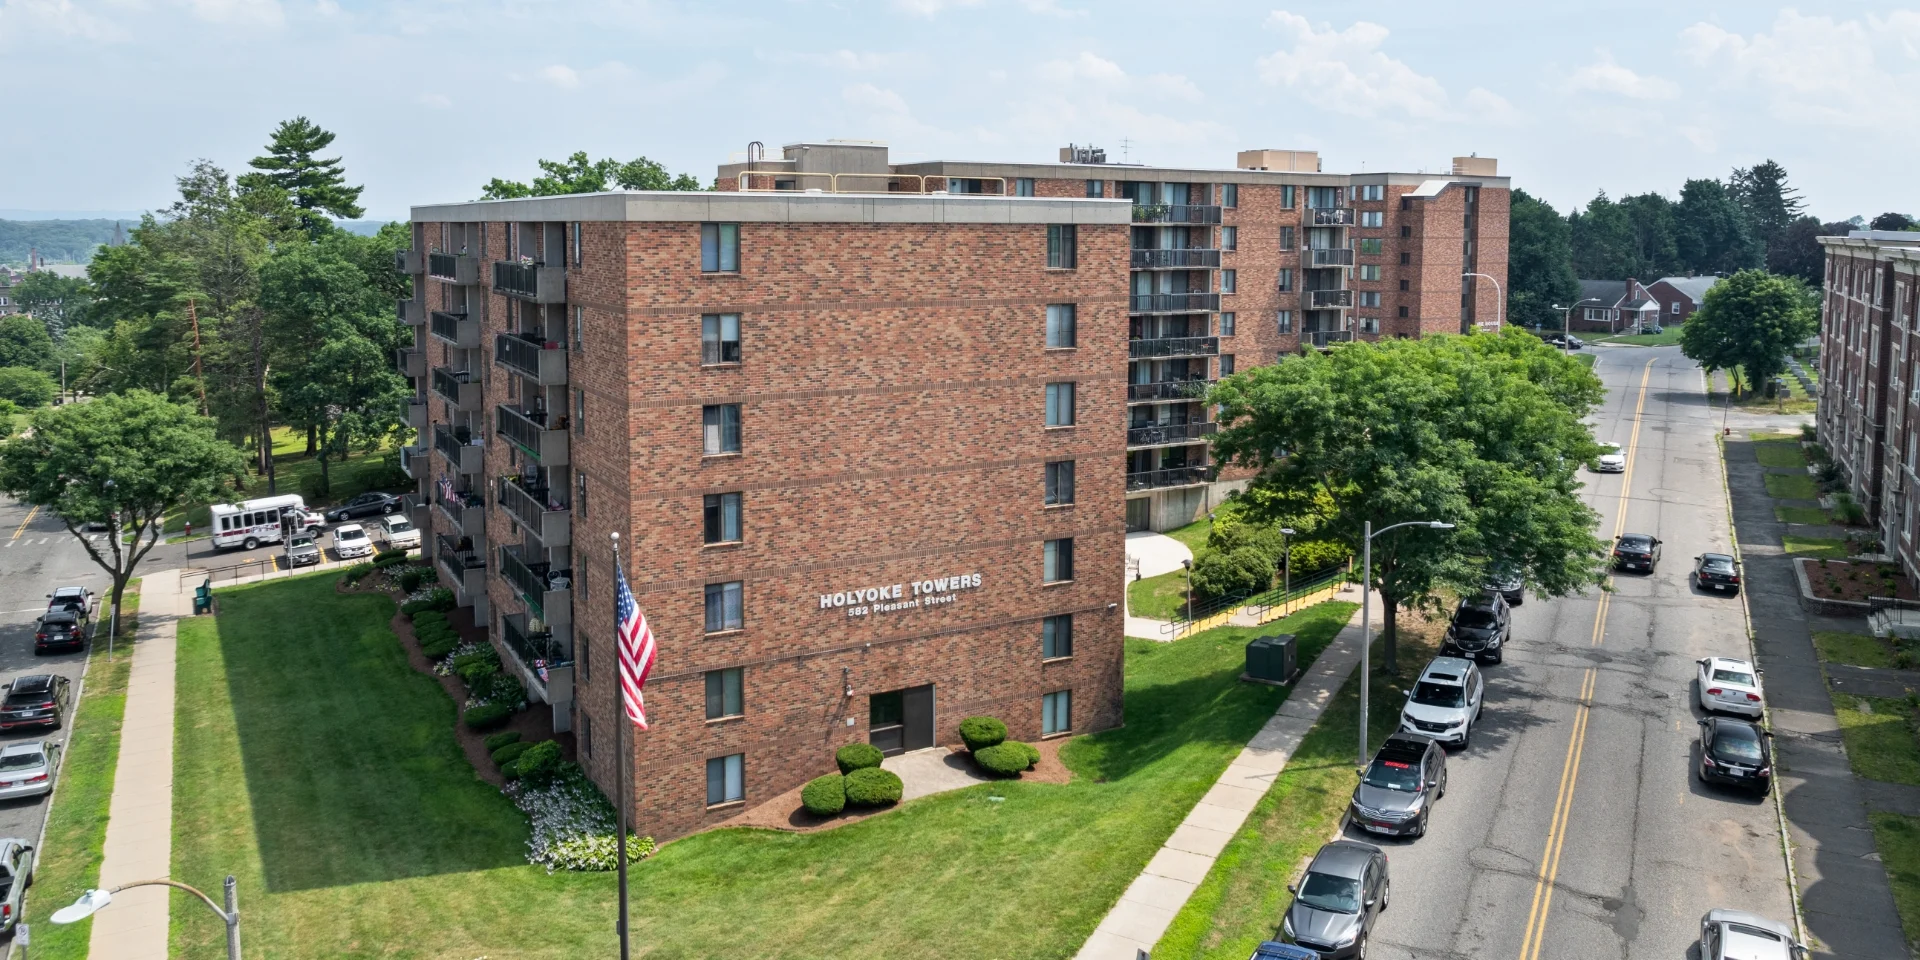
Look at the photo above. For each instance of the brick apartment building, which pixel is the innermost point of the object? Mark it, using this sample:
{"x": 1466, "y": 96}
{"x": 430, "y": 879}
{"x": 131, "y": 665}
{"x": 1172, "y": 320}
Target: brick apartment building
{"x": 867, "y": 455}
{"x": 1228, "y": 269}
{"x": 1869, "y": 416}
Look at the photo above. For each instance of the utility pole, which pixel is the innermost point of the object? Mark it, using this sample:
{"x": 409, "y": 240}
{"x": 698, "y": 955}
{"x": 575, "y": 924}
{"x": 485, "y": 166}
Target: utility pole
{"x": 194, "y": 318}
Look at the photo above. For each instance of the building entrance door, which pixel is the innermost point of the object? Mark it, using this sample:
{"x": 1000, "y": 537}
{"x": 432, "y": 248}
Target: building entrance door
{"x": 1139, "y": 513}
{"x": 901, "y": 720}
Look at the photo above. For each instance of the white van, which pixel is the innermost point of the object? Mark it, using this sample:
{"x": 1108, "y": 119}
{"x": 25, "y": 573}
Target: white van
{"x": 251, "y": 523}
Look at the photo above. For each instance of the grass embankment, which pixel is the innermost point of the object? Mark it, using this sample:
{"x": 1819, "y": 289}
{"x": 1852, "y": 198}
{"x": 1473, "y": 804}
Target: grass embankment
{"x": 1165, "y": 596}
{"x": 77, "y": 822}
{"x": 1858, "y": 649}
{"x": 1878, "y": 732}
{"x": 1898, "y": 839}
{"x": 293, "y": 470}
{"x": 1791, "y": 486}
{"x": 1585, "y": 359}
{"x": 1668, "y": 336}
{"x": 325, "y": 775}
{"x": 1826, "y": 548}
{"x": 1780, "y": 453}
{"x": 1802, "y": 515}
{"x": 1794, "y": 400}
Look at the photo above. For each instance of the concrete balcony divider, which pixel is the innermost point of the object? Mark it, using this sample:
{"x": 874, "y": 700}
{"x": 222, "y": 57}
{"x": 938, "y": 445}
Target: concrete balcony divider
{"x": 413, "y": 460}
{"x": 417, "y": 414}
{"x": 532, "y": 434}
{"x": 533, "y": 509}
{"x": 411, "y": 313}
{"x": 458, "y": 387}
{"x": 534, "y": 282}
{"x": 544, "y": 658}
{"x": 459, "y": 449}
{"x": 548, "y": 592}
{"x": 464, "y": 569}
{"x": 466, "y": 511}
{"x": 408, "y": 261}
{"x": 542, "y": 361}
{"x": 457, "y": 329}
{"x": 460, "y": 268}
{"x": 410, "y": 362}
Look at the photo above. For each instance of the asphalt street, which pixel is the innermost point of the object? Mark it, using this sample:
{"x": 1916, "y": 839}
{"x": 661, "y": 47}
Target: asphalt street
{"x": 1573, "y": 827}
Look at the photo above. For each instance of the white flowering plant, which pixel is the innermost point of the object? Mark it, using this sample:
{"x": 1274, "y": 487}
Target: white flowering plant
{"x": 574, "y": 827}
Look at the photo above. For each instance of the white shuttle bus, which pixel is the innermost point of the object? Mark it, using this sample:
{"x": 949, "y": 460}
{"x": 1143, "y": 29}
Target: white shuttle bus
{"x": 251, "y": 523}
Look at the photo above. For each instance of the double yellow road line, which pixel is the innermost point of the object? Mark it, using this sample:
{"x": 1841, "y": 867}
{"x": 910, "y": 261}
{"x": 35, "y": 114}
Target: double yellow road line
{"x": 23, "y": 524}
{"x": 1577, "y": 743}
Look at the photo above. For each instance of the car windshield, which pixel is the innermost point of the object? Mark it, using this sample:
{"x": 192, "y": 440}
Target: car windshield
{"x": 1717, "y": 564}
{"x": 1473, "y": 617}
{"x": 1736, "y": 748}
{"x": 298, "y": 542}
{"x": 1394, "y": 775}
{"x": 1324, "y": 892}
{"x": 1429, "y": 694}
{"x": 1746, "y": 931}
{"x": 399, "y": 525}
{"x": 1723, "y": 675}
{"x": 348, "y": 535}
{"x": 1636, "y": 544}
{"x": 21, "y": 761}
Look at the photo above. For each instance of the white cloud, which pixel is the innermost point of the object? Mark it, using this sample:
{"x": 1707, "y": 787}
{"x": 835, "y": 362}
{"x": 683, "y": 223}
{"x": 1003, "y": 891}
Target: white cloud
{"x": 852, "y": 61}
{"x": 1345, "y": 71}
{"x": 1816, "y": 69}
{"x": 875, "y": 98}
{"x": 1606, "y": 76}
{"x": 249, "y": 12}
{"x": 928, "y": 8}
{"x": 1485, "y": 106}
{"x": 562, "y": 76}
{"x": 1089, "y": 96}
{"x": 39, "y": 18}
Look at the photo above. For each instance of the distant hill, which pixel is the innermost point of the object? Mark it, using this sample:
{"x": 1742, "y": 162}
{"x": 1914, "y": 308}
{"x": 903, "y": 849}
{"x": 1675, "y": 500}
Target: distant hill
{"x": 365, "y": 228}
{"x": 59, "y": 241}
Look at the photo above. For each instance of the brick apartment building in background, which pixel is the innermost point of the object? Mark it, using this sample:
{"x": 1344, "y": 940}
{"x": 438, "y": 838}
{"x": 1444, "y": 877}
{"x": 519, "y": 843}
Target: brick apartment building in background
{"x": 1869, "y": 415}
{"x": 1227, "y": 269}
{"x": 867, "y": 455}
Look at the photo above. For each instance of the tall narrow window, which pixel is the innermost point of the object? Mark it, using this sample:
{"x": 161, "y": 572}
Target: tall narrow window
{"x": 1056, "y": 716}
{"x": 1286, "y": 321}
{"x": 1057, "y": 560}
{"x": 1226, "y": 364}
{"x": 1285, "y": 276}
{"x": 724, "y": 694}
{"x": 586, "y": 733}
{"x": 1286, "y": 196}
{"x": 1406, "y": 231}
{"x": 1406, "y": 259}
{"x": 727, "y": 779}
{"x": 1226, "y": 324}
{"x": 1229, "y": 281}
{"x": 720, "y": 247}
{"x": 722, "y": 515}
{"x": 1056, "y": 637}
{"x": 579, "y": 411}
{"x": 1229, "y": 238}
{"x": 724, "y": 607}
{"x": 1229, "y": 196}
{"x": 579, "y": 503}
{"x": 722, "y": 424}
{"x": 720, "y": 338}
{"x": 1061, "y": 246}
{"x": 1060, "y": 325}
{"x": 1059, "y": 483}
{"x": 1059, "y": 404}
{"x": 576, "y": 243}
{"x": 1096, "y": 188}
{"x": 1286, "y": 237}
{"x": 582, "y": 650}
{"x": 579, "y": 329}
{"x": 1023, "y": 186}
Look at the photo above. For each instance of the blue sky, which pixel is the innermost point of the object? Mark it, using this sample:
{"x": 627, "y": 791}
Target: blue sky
{"x": 110, "y": 99}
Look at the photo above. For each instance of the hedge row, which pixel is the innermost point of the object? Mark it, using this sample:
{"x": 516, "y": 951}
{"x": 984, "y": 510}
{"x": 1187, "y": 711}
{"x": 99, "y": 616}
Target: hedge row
{"x": 864, "y": 787}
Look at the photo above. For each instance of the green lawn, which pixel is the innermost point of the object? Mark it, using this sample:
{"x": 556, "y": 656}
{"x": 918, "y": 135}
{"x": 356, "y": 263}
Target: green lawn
{"x": 1802, "y": 515}
{"x": 1823, "y": 547}
{"x": 322, "y": 772}
{"x": 1859, "y": 649}
{"x": 1162, "y": 598}
{"x": 1585, "y": 359}
{"x": 1666, "y": 337}
{"x": 1194, "y": 534}
{"x": 1898, "y": 840}
{"x": 1879, "y": 735}
{"x": 1780, "y": 454}
{"x": 292, "y": 468}
{"x": 1792, "y": 486}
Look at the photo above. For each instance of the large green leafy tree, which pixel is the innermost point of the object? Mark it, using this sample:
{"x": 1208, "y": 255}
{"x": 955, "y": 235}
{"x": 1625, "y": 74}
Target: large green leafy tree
{"x": 578, "y": 174}
{"x": 1712, "y": 230}
{"x": 1751, "y": 320}
{"x": 1797, "y": 251}
{"x": 1635, "y": 237}
{"x": 1539, "y": 263}
{"x": 1770, "y": 203}
{"x": 24, "y": 342}
{"x": 314, "y": 186}
{"x": 125, "y": 460}
{"x": 58, "y": 302}
{"x": 1479, "y": 431}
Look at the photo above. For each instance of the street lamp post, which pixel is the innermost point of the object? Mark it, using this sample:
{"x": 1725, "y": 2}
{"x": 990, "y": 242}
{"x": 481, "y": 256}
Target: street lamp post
{"x": 1366, "y": 613}
{"x": 1500, "y": 301}
{"x": 93, "y": 900}
{"x": 1286, "y": 569}
{"x": 1189, "y": 565}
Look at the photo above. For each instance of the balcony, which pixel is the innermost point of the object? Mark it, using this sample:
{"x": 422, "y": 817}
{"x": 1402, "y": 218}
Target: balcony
{"x": 418, "y": 511}
{"x": 537, "y": 512}
{"x": 1169, "y": 477}
{"x": 459, "y": 447}
{"x": 543, "y": 657}
{"x": 458, "y": 329}
{"x": 1192, "y": 258}
{"x": 1173, "y": 302}
{"x": 462, "y": 567}
{"x": 413, "y": 460}
{"x": 1323, "y": 338}
{"x": 466, "y": 510}
{"x": 1175, "y": 213}
{"x": 542, "y": 361}
{"x": 407, "y": 261}
{"x": 1192, "y": 388}
{"x": 548, "y": 592}
{"x": 1169, "y": 434}
{"x": 459, "y": 387}
{"x": 410, "y": 362}
{"x": 1330, "y": 257}
{"x": 530, "y": 432}
{"x": 417, "y": 414}
{"x": 1329, "y": 299}
{"x": 1332, "y": 217}
{"x": 460, "y": 268}
{"x": 530, "y": 281}
{"x": 1173, "y": 347}
{"x": 411, "y": 312}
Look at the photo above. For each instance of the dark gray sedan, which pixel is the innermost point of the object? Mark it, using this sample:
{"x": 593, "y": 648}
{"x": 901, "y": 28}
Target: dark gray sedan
{"x": 1396, "y": 796}
{"x": 1335, "y": 904}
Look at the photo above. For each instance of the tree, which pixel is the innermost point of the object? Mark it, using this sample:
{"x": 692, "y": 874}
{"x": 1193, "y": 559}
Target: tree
{"x": 1712, "y": 230}
{"x": 124, "y": 460}
{"x": 1751, "y": 320}
{"x": 26, "y": 386}
{"x": 1770, "y": 204}
{"x": 1602, "y": 240}
{"x": 1483, "y": 432}
{"x": 578, "y": 174}
{"x": 1797, "y": 252}
{"x": 24, "y": 342}
{"x": 1656, "y": 251}
{"x": 58, "y": 302}
{"x": 1539, "y": 263}
{"x": 314, "y": 186}
{"x": 1885, "y": 221}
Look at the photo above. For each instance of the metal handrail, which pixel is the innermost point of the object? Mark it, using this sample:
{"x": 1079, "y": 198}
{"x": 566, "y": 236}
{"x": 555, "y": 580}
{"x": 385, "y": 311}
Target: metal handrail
{"x": 1321, "y": 338}
{"x": 1172, "y": 302}
{"x": 447, "y": 383}
{"x": 1176, "y": 213}
{"x": 520, "y": 427}
{"x": 468, "y": 559}
{"x": 1331, "y": 256}
{"x": 534, "y": 650}
{"x": 1332, "y": 216}
{"x": 445, "y": 324}
{"x": 1146, "y": 258}
{"x": 528, "y": 504}
{"x": 1325, "y": 299}
{"x": 1164, "y": 433}
{"x": 1166, "y": 477}
{"x": 1190, "y": 388}
{"x": 744, "y": 179}
{"x": 1149, "y": 348}
{"x": 521, "y": 352}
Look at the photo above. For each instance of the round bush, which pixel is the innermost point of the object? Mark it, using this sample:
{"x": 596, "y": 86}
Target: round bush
{"x": 539, "y": 763}
{"x": 410, "y": 581}
{"x": 501, "y": 739}
{"x": 1033, "y": 754}
{"x": 825, "y": 796}
{"x": 1006, "y": 759}
{"x": 387, "y": 558}
{"x": 979, "y": 733}
{"x": 438, "y": 649}
{"x": 487, "y": 716}
{"x": 26, "y": 387}
{"x": 872, "y": 787}
{"x": 857, "y": 756}
{"x": 425, "y": 617}
{"x": 508, "y": 753}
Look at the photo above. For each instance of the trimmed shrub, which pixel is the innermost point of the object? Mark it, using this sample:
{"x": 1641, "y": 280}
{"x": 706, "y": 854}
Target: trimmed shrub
{"x": 441, "y": 600}
{"x": 1006, "y": 759}
{"x": 439, "y": 647}
{"x": 356, "y": 573}
{"x": 425, "y": 617}
{"x": 872, "y": 787}
{"x": 487, "y": 716}
{"x": 978, "y": 733}
{"x": 857, "y": 756}
{"x": 539, "y": 763}
{"x": 1033, "y": 753}
{"x": 502, "y": 687}
{"x": 387, "y": 558}
{"x": 410, "y": 581}
{"x": 508, "y": 753}
{"x": 825, "y": 796}
{"x": 501, "y": 739}
{"x": 476, "y": 673}
{"x": 1241, "y": 572}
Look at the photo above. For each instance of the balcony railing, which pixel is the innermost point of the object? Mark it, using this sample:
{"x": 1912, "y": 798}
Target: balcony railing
{"x": 532, "y": 434}
{"x": 539, "y": 360}
{"x": 407, "y": 261}
{"x": 410, "y": 362}
{"x": 1332, "y": 217}
{"x": 1189, "y": 389}
{"x": 537, "y": 512}
{"x": 459, "y": 387}
{"x": 458, "y": 329}
{"x": 548, "y": 592}
{"x": 537, "y": 650}
{"x": 460, "y": 268}
{"x": 1175, "y": 213}
{"x": 1331, "y": 257}
{"x": 1173, "y": 347}
{"x": 411, "y": 312}
{"x": 1169, "y": 477}
{"x": 458, "y": 447}
{"x": 1321, "y": 338}
{"x": 530, "y": 281}
{"x": 1173, "y": 302}
{"x": 1165, "y": 434}
{"x": 466, "y": 510}
{"x": 1191, "y": 258}
{"x": 1328, "y": 299}
{"x": 413, "y": 459}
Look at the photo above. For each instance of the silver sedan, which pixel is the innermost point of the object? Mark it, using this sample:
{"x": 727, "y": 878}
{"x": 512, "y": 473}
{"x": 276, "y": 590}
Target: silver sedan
{"x": 1739, "y": 935}
{"x": 27, "y": 769}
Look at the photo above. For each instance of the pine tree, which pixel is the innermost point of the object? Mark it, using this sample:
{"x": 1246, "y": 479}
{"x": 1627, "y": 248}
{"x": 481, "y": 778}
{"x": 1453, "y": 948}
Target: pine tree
{"x": 1762, "y": 191}
{"x": 313, "y": 186}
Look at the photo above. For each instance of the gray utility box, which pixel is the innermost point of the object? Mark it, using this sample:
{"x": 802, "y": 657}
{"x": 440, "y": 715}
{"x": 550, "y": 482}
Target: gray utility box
{"x": 1273, "y": 659}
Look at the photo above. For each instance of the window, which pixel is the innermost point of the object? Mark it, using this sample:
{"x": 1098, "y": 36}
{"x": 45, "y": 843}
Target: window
{"x": 1372, "y": 191}
{"x": 1061, "y": 252}
{"x": 1059, "y": 404}
{"x": 1059, "y": 483}
{"x": 1406, "y": 203}
{"x": 722, "y": 423}
{"x": 1229, "y": 281}
{"x": 1406, "y": 231}
{"x": 579, "y": 329}
{"x": 1286, "y": 238}
{"x": 1229, "y": 197}
{"x": 1056, "y": 637}
{"x": 1286, "y": 279}
{"x": 723, "y": 694}
{"x": 581, "y": 650}
{"x": 1286, "y": 196}
{"x": 722, "y": 515}
{"x": 1369, "y": 324}
{"x": 1405, "y": 259}
{"x": 580, "y": 510}
{"x": 1229, "y": 238}
{"x": 1286, "y": 321}
{"x": 720, "y": 338}
{"x": 1372, "y": 218}
{"x": 1372, "y": 245}
{"x": 1369, "y": 298}
{"x": 1403, "y": 285}
{"x": 586, "y": 733}
{"x": 726, "y": 779}
{"x": 576, "y": 243}
{"x": 1226, "y": 364}
{"x": 1403, "y": 311}
{"x": 1226, "y": 324}
{"x": 579, "y": 411}
{"x": 1676, "y": 308}
{"x": 1023, "y": 187}
{"x": 1056, "y": 716}
{"x": 1096, "y": 188}
{"x": 1060, "y": 325}
{"x": 723, "y": 607}
{"x": 1369, "y": 271}
{"x": 1597, "y": 314}
{"x": 720, "y": 248}
{"x": 1323, "y": 197}
{"x": 1057, "y": 560}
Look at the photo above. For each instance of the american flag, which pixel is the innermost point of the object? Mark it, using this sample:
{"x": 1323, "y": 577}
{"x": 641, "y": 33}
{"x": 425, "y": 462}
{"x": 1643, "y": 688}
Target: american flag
{"x": 637, "y": 649}
{"x": 446, "y": 489}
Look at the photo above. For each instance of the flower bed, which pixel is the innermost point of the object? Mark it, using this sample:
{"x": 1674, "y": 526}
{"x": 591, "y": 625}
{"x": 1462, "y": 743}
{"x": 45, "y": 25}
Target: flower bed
{"x": 574, "y": 825}
{"x": 1856, "y": 581}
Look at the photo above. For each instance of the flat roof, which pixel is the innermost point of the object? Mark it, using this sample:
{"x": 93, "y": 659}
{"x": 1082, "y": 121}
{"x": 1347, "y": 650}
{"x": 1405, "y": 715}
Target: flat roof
{"x": 698, "y": 206}
{"x": 1123, "y": 171}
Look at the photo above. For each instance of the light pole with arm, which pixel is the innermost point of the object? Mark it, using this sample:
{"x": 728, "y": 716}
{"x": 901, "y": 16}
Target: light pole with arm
{"x": 1366, "y": 613}
{"x": 1286, "y": 568}
{"x": 1500, "y": 301}
{"x": 93, "y": 900}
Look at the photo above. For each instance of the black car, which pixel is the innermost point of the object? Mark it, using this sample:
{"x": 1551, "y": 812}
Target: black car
{"x": 1636, "y": 551}
{"x": 60, "y": 629}
{"x": 1509, "y": 585}
{"x": 1717, "y": 572}
{"x": 369, "y": 504}
{"x": 1736, "y": 752}
{"x": 40, "y": 700}
{"x": 1480, "y": 628}
{"x": 1396, "y": 796}
{"x": 1335, "y": 904}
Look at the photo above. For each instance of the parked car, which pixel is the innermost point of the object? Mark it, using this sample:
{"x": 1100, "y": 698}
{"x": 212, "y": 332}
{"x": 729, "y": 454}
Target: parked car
{"x": 78, "y": 598}
{"x": 1730, "y": 685}
{"x": 1396, "y": 796}
{"x": 351, "y": 540}
{"x": 59, "y": 629}
{"x": 1636, "y": 551}
{"x": 1610, "y": 460}
{"x": 16, "y": 875}
{"x": 302, "y": 550}
{"x": 1334, "y": 905}
{"x": 1480, "y": 628}
{"x": 1739, "y": 935}
{"x": 1509, "y": 585}
{"x": 1445, "y": 702}
{"x": 1275, "y": 950}
{"x": 27, "y": 769}
{"x": 1565, "y": 342}
{"x": 370, "y": 504}
{"x": 399, "y": 533}
{"x": 1716, "y": 571}
{"x": 40, "y": 699}
{"x": 1735, "y": 752}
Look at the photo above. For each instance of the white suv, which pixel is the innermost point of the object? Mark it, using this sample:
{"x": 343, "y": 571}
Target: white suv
{"x": 351, "y": 540}
{"x": 1445, "y": 703}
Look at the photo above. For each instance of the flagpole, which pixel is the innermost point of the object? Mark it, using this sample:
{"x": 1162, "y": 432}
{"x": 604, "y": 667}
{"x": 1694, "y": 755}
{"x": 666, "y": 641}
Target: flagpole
{"x": 620, "y": 752}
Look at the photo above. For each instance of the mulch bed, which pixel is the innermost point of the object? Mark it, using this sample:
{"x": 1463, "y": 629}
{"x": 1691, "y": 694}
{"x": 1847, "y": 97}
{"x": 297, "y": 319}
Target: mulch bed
{"x": 1856, "y": 581}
